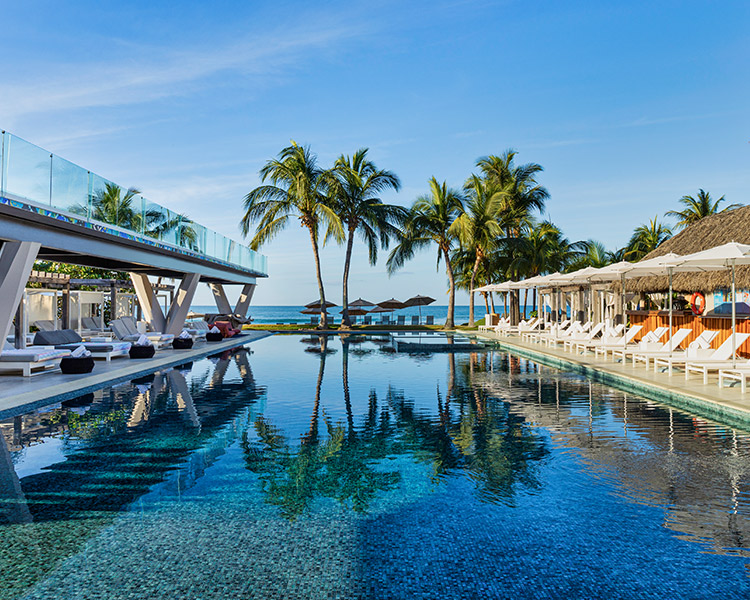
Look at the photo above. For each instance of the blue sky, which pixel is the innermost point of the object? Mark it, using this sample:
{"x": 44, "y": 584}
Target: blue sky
{"x": 628, "y": 106}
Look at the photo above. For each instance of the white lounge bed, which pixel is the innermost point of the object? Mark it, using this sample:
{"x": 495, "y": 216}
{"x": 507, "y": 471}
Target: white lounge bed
{"x": 30, "y": 361}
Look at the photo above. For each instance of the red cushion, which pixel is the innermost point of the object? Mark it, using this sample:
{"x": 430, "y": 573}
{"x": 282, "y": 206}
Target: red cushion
{"x": 226, "y": 328}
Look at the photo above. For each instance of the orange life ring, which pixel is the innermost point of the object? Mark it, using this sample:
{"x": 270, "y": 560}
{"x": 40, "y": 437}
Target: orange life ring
{"x": 697, "y": 303}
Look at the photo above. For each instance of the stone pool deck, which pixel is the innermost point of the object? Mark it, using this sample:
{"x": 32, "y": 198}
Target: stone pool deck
{"x": 21, "y": 394}
{"x": 726, "y": 404}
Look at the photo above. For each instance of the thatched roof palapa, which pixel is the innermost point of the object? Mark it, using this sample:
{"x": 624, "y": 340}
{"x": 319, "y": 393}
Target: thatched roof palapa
{"x": 709, "y": 232}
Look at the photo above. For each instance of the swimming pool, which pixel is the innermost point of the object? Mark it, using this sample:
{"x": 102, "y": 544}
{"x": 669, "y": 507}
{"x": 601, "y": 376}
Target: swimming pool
{"x": 311, "y": 467}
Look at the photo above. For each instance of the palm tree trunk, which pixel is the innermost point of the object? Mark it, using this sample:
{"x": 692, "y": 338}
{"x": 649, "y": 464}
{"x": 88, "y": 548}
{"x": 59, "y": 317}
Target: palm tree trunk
{"x": 345, "y": 321}
{"x": 451, "y": 290}
{"x": 474, "y": 270}
{"x": 492, "y": 301}
{"x": 321, "y": 291}
{"x": 486, "y": 304}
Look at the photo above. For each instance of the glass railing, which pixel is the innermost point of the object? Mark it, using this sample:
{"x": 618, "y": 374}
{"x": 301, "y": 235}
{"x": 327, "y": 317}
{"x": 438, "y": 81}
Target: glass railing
{"x": 30, "y": 174}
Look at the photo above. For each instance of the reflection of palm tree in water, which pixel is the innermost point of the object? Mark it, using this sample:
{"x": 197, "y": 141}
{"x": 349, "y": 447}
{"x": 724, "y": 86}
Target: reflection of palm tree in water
{"x": 311, "y": 437}
{"x": 472, "y": 434}
{"x": 338, "y": 466}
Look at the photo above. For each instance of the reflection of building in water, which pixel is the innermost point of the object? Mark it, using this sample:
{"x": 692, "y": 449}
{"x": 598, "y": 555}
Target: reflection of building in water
{"x": 120, "y": 445}
{"x": 696, "y": 470}
{"x": 130, "y": 429}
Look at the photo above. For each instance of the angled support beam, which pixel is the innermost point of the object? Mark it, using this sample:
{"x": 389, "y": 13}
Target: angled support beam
{"x": 180, "y": 306}
{"x": 148, "y": 301}
{"x": 16, "y": 260}
{"x": 222, "y": 303}
{"x": 246, "y": 296}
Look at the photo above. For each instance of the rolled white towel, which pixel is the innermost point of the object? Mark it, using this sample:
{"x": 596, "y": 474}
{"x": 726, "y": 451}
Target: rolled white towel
{"x": 80, "y": 352}
{"x": 143, "y": 341}
{"x": 215, "y": 329}
{"x": 184, "y": 335}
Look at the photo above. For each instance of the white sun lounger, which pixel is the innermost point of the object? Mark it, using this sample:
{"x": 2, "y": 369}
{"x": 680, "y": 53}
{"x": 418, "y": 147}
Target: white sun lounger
{"x": 608, "y": 346}
{"x": 30, "y": 361}
{"x": 741, "y": 374}
{"x": 574, "y": 339}
{"x": 668, "y": 348}
{"x": 704, "y": 367}
{"x": 610, "y": 334}
{"x": 576, "y": 329}
{"x": 650, "y": 341}
{"x": 534, "y": 336}
{"x": 698, "y": 349}
{"x": 719, "y": 359}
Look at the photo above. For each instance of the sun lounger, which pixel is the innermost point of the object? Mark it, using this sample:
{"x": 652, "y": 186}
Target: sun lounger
{"x": 415, "y": 320}
{"x": 368, "y": 320}
{"x": 532, "y": 336}
{"x": 559, "y": 337}
{"x": 44, "y": 325}
{"x": 522, "y": 327}
{"x": 698, "y": 349}
{"x": 30, "y": 361}
{"x": 570, "y": 343}
{"x": 67, "y": 339}
{"x": 650, "y": 341}
{"x": 621, "y": 343}
{"x": 126, "y": 331}
{"x": 717, "y": 360}
{"x": 669, "y": 347}
{"x": 740, "y": 373}
{"x": 429, "y": 320}
{"x": 401, "y": 320}
{"x": 609, "y": 335}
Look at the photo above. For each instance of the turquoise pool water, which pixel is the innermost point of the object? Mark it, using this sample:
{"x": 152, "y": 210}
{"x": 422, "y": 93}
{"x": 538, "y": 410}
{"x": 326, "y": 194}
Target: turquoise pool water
{"x": 341, "y": 470}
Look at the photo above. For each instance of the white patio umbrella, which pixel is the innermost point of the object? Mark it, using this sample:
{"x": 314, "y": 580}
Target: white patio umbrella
{"x": 574, "y": 278}
{"x": 718, "y": 258}
{"x": 661, "y": 265}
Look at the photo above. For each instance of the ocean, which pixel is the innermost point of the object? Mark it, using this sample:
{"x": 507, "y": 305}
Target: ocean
{"x": 291, "y": 314}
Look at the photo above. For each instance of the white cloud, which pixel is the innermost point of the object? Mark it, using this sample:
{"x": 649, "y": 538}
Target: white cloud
{"x": 163, "y": 73}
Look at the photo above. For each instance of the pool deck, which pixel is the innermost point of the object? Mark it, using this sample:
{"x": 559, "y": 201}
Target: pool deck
{"x": 21, "y": 394}
{"x": 725, "y": 404}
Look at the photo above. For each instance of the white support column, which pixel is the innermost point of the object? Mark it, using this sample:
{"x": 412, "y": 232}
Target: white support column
{"x": 16, "y": 261}
{"x": 222, "y": 303}
{"x": 148, "y": 301}
{"x": 180, "y": 306}
{"x": 246, "y": 296}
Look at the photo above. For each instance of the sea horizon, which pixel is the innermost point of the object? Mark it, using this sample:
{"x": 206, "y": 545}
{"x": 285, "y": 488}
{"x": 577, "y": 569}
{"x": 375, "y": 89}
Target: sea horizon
{"x": 284, "y": 313}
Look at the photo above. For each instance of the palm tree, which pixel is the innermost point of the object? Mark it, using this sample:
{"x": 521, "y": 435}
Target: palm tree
{"x": 647, "y": 238}
{"x": 429, "y": 221}
{"x": 594, "y": 255}
{"x": 297, "y": 188}
{"x": 355, "y": 184}
{"x": 541, "y": 249}
{"x": 478, "y": 227}
{"x": 521, "y": 193}
{"x": 698, "y": 207}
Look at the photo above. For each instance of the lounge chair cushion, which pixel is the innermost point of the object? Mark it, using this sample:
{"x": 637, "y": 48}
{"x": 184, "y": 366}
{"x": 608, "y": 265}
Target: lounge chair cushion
{"x": 32, "y": 355}
{"x": 56, "y": 338}
{"x": 68, "y": 339}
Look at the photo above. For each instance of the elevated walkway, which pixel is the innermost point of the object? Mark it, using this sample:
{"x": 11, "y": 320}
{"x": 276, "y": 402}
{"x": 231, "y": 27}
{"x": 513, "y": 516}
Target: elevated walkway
{"x": 51, "y": 209}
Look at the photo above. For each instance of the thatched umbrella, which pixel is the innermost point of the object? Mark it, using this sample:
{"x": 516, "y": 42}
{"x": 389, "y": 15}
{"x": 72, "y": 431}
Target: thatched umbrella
{"x": 709, "y": 232}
